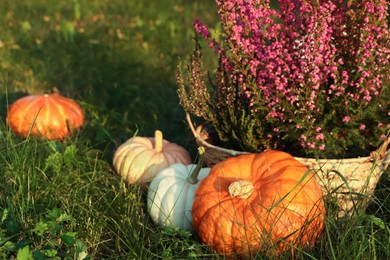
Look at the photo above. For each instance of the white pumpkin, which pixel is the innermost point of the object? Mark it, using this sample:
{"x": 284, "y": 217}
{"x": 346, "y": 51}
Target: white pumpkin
{"x": 139, "y": 159}
{"x": 171, "y": 193}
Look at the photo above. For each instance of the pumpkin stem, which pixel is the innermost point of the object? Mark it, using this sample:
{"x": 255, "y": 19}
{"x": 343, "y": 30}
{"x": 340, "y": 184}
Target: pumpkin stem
{"x": 193, "y": 177}
{"x": 158, "y": 139}
{"x": 242, "y": 189}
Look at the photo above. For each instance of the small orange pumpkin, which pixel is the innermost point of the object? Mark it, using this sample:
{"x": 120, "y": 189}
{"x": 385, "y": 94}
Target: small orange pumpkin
{"x": 139, "y": 159}
{"x": 265, "y": 202}
{"x": 51, "y": 116}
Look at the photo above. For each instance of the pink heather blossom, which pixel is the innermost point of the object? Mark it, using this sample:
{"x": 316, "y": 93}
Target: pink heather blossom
{"x": 213, "y": 44}
{"x": 346, "y": 119}
{"x": 328, "y": 56}
{"x": 202, "y": 29}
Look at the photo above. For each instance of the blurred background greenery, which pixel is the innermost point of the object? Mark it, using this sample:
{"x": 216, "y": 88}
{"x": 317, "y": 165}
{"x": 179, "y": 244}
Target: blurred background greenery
{"x": 118, "y": 59}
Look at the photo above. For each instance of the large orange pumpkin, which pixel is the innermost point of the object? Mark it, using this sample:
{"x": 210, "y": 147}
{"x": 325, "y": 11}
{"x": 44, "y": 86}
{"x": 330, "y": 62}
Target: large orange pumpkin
{"x": 265, "y": 202}
{"x": 51, "y": 116}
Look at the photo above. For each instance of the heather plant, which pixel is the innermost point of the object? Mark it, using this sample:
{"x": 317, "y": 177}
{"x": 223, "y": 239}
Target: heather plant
{"x": 310, "y": 77}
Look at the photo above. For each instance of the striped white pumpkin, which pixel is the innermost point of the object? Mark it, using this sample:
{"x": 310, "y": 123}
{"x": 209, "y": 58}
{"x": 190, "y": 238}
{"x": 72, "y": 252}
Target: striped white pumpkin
{"x": 139, "y": 159}
{"x": 171, "y": 193}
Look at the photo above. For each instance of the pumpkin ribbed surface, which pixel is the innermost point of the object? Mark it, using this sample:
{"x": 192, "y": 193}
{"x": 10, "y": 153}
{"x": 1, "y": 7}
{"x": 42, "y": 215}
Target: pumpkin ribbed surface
{"x": 51, "y": 116}
{"x": 170, "y": 196}
{"x": 258, "y": 202}
{"x": 139, "y": 159}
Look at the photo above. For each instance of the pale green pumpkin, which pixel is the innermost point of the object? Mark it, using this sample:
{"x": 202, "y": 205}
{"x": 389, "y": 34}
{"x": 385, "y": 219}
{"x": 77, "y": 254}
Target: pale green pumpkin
{"x": 171, "y": 193}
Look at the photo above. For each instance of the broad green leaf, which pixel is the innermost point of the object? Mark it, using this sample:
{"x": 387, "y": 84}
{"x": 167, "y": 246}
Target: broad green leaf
{"x": 11, "y": 226}
{"x": 53, "y": 161}
{"x": 69, "y": 238}
{"x": 80, "y": 246}
{"x": 70, "y": 152}
{"x": 53, "y": 214}
{"x": 64, "y": 217}
{"x": 49, "y": 252}
{"x": 377, "y": 222}
{"x": 81, "y": 250}
{"x": 24, "y": 254}
{"x": 9, "y": 246}
{"x": 82, "y": 255}
{"x": 21, "y": 244}
{"x": 40, "y": 228}
{"x": 38, "y": 255}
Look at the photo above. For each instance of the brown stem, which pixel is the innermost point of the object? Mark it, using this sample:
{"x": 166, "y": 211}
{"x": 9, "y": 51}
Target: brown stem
{"x": 242, "y": 189}
{"x": 380, "y": 153}
{"x": 203, "y": 142}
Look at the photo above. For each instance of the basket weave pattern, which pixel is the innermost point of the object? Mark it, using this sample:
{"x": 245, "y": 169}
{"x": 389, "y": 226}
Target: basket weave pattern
{"x": 350, "y": 181}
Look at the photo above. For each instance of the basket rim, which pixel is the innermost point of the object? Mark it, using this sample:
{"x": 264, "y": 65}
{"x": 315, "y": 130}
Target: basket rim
{"x": 381, "y": 154}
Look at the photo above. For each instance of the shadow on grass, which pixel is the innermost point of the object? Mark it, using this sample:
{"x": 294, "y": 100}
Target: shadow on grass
{"x": 120, "y": 89}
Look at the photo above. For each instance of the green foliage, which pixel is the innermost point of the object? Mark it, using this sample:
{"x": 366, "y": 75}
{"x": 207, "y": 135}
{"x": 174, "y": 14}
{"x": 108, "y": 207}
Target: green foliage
{"x": 48, "y": 238}
{"x": 117, "y": 58}
{"x": 111, "y": 56}
{"x": 272, "y": 92}
{"x": 221, "y": 105}
{"x": 63, "y": 199}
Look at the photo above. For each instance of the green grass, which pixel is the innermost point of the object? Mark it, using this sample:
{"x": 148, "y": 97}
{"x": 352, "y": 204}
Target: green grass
{"x": 118, "y": 59}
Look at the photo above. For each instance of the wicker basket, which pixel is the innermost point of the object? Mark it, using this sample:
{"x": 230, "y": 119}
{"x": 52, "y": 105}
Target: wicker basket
{"x": 350, "y": 181}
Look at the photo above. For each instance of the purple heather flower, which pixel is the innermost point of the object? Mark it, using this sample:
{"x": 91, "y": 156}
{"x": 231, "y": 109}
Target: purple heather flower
{"x": 202, "y": 29}
{"x": 346, "y": 119}
{"x": 300, "y": 61}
